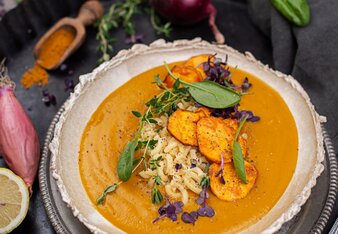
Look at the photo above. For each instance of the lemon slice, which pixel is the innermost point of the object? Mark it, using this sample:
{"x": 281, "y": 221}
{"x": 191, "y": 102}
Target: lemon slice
{"x": 14, "y": 200}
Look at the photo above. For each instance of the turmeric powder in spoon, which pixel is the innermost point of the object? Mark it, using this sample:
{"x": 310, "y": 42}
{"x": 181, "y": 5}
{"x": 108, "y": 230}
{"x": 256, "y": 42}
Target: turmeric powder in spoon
{"x": 59, "y": 42}
{"x": 51, "y": 52}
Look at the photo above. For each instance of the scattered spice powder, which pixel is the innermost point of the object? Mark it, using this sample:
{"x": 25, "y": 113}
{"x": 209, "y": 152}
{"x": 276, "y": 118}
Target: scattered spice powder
{"x": 51, "y": 52}
{"x": 36, "y": 75}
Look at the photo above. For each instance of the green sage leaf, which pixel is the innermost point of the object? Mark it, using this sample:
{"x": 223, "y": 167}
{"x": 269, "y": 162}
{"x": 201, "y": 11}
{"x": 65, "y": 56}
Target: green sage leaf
{"x": 237, "y": 154}
{"x": 239, "y": 161}
{"x": 125, "y": 162}
{"x": 213, "y": 95}
{"x": 297, "y": 11}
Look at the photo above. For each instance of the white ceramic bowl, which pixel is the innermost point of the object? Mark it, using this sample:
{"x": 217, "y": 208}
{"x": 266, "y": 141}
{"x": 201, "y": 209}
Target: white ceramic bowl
{"x": 96, "y": 86}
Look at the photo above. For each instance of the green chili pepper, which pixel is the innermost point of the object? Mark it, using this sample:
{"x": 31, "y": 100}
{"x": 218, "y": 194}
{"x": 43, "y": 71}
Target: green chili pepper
{"x": 297, "y": 11}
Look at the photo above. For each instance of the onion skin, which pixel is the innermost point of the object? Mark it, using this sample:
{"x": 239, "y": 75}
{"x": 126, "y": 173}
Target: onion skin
{"x": 182, "y": 12}
{"x": 188, "y": 12}
{"x": 19, "y": 143}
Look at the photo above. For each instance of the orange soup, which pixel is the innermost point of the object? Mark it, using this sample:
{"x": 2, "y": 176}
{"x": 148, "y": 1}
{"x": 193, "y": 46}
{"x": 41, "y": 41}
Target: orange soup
{"x": 272, "y": 148}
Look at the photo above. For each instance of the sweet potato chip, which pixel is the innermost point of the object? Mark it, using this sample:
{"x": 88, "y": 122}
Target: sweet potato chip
{"x": 204, "y": 112}
{"x": 185, "y": 73}
{"x": 231, "y": 187}
{"x": 196, "y": 62}
{"x": 215, "y": 136}
{"x": 182, "y": 125}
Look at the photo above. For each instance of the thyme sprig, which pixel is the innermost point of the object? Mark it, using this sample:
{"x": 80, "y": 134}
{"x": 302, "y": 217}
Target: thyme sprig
{"x": 156, "y": 195}
{"x": 121, "y": 14}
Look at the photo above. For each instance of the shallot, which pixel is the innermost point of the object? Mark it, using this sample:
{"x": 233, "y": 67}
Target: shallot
{"x": 19, "y": 143}
{"x": 187, "y": 12}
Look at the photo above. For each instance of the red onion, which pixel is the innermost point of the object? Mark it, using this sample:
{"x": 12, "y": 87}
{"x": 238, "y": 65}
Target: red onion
{"x": 187, "y": 12}
{"x": 19, "y": 143}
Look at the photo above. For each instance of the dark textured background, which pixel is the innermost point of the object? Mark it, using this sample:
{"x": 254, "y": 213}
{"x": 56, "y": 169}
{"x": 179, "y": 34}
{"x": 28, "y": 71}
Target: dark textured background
{"x": 21, "y": 28}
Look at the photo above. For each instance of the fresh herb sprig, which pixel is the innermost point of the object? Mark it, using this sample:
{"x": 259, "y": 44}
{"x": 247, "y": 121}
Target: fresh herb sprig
{"x": 156, "y": 195}
{"x": 122, "y": 13}
{"x": 238, "y": 155}
{"x": 109, "y": 189}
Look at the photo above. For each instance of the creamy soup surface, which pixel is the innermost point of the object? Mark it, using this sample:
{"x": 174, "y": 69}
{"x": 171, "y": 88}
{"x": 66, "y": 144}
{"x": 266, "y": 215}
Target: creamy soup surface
{"x": 272, "y": 148}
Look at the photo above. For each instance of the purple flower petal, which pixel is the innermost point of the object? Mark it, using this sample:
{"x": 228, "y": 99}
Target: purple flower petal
{"x": 178, "y": 166}
{"x": 169, "y": 210}
{"x": 189, "y": 218}
{"x": 47, "y": 98}
{"x": 194, "y": 214}
{"x": 134, "y": 39}
{"x": 69, "y": 85}
{"x": 178, "y": 207}
{"x": 206, "y": 211}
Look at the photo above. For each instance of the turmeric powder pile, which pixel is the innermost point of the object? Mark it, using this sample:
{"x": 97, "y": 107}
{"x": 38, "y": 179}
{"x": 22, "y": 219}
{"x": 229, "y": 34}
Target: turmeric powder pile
{"x": 36, "y": 75}
{"x": 52, "y": 50}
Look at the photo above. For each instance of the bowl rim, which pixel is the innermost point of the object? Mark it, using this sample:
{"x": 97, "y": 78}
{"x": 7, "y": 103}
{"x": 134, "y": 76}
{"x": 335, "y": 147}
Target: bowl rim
{"x": 123, "y": 55}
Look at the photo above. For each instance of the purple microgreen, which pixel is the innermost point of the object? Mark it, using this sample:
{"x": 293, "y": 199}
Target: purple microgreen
{"x": 69, "y": 85}
{"x": 178, "y": 205}
{"x": 48, "y": 99}
{"x": 206, "y": 211}
{"x": 222, "y": 165}
{"x": 178, "y": 166}
{"x": 193, "y": 165}
{"x": 134, "y": 39}
{"x": 222, "y": 179}
{"x": 202, "y": 197}
{"x": 169, "y": 210}
{"x": 189, "y": 217}
{"x": 246, "y": 85}
{"x": 249, "y": 116}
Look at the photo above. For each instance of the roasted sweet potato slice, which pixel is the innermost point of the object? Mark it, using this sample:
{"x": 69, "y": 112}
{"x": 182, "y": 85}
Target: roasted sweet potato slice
{"x": 182, "y": 125}
{"x": 204, "y": 112}
{"x": 196, "y": 62}
{"x": 231, "y": 188}
{"x": 215, "y": 136}
{"x": 185, "y": 73}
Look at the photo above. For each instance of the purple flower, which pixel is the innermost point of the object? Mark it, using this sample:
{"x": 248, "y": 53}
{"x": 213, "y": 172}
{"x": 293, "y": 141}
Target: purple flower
{"x": 246, "y": 85}
{"x": 189, "y": 217}
{"x": 251, "y": 117}
{"x": 48, "y": 99}
{"x": 169, "y": 210}
{"x": 63, "y": 67}
{"x": 206, "y": 211}
{"x": 134, "y": 39}
{"x": 178, "y": 166}
{"x": 69, "y": 85}
{"x": 202, "y": 197}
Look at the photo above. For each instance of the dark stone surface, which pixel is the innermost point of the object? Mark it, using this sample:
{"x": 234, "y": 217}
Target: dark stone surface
{"x": 232, "y": 19}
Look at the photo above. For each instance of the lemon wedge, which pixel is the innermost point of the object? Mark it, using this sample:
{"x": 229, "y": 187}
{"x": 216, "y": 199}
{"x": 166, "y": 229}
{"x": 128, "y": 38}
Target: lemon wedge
{"x": 14, "y": 200}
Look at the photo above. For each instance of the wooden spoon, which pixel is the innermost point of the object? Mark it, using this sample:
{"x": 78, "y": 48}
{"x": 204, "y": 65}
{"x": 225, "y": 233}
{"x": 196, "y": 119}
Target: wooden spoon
{"x": 90, "y": 11}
